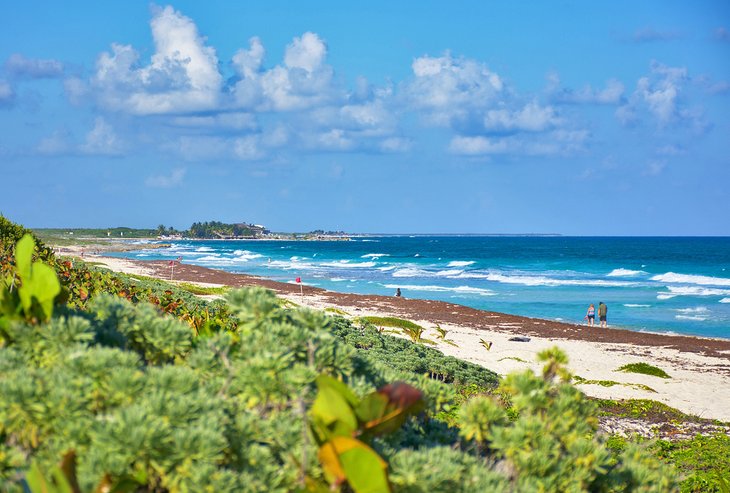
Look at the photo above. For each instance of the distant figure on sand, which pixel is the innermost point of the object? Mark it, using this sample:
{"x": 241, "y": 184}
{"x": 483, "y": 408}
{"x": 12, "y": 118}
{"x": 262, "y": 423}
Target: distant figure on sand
{"x": 602, "y": 312}
{"x": 591, "y": 314}
{"x": 397, "y": 292}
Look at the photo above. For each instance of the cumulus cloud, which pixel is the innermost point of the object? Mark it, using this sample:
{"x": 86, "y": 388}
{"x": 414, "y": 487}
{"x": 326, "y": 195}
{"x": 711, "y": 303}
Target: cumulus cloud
{"x": 556, "y": 142}
{"x": 657, "y": 95}
{"x": 303, "y": 81}
{"x": 448, "y": 88}
{"x": 174, "y": 179}
{"x": 102, "y": 139}
{"x": 7, "y": 94}
{"x": 612, "y": 93}
{"x": 33, "y": 68}
{"x": 531, "y": 118}
{"x": 182, "y": 75}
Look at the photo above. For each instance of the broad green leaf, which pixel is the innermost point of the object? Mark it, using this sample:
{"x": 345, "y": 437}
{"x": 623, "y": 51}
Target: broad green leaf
{"x": 346, "y": 458}
{"x": 340, "y": 387}
{"x": 332, "y": 410}
{"x": 366, "y": 472}
{"x": 45, "y": 287}
{"x": 23, "y": 256}
{"x": 372, "y": 407}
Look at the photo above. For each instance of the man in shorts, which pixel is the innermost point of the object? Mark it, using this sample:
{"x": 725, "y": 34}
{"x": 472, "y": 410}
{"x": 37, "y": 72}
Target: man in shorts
{"x": 602, "y": 312}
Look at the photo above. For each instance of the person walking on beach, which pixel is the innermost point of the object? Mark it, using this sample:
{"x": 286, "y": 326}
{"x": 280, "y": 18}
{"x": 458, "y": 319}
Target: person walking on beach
{"x": 397, "y": 292}
{"x": 591, "y": 314}
{"x": 602, "y": 312}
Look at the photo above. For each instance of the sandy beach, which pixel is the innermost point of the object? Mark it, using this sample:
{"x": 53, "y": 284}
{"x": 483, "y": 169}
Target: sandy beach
{"x": 699, "y": 367}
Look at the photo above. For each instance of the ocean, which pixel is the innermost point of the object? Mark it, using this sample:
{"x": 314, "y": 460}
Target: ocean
{"x": 677, "y": 285}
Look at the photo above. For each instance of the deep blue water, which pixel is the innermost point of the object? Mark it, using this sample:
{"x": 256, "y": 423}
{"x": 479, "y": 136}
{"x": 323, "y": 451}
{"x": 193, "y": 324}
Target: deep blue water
{"x": 679, "y": 285}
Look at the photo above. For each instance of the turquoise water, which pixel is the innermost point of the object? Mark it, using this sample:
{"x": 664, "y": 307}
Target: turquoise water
{"x": 679, "y": 285}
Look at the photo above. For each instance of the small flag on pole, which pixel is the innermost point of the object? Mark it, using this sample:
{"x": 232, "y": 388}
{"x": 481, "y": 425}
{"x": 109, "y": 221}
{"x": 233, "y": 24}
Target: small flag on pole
{"x": 298, "y": 280}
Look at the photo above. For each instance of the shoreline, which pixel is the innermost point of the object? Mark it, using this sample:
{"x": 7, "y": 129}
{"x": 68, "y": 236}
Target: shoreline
{"x": 699, "y": 366}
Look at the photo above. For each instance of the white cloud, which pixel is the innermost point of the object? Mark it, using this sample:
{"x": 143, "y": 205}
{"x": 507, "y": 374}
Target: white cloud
{"x": 102, "y": 140}
{"x": 447, "y": 88}
{"x": 611, "y": 94}
{"x": 303, "y": 81}
{"x": 395, "y": 144}
{"x": 7, "y": 94}
{"x": 76, "y": 90}
{"x": 657, "y": 95}
{"x": 174, "y": 179}
{"x": 55, "y": 144}
{"x": 532, "y": 118}
{"x": 474, "y": 146}
{"x": 182, "y": 75}
{"x": 34, "y": 68}
{"x": 248, "y": 148}
{"x": 557, "y": 142}
{"x": 225, "y": 121}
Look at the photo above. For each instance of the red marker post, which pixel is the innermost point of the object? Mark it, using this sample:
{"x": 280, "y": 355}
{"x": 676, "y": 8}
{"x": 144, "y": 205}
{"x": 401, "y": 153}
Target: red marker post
{"x": 298, "y": 280}
{"x": 172, "y": 266}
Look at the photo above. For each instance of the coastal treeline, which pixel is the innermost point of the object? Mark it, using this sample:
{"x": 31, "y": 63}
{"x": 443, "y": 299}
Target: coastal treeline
{"x": 252, "y": 394}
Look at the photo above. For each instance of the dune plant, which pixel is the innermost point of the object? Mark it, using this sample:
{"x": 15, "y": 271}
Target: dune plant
{"x": 644, "y": 369}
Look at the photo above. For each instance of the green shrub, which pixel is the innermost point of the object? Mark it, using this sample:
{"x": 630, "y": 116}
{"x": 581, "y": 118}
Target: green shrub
{"x": 645, "y": 369}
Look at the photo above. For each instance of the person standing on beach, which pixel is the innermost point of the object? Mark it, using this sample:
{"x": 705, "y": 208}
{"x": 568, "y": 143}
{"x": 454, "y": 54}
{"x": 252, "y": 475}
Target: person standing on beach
{"x": 602, "y": 312}
{"x": 591, "y": 314}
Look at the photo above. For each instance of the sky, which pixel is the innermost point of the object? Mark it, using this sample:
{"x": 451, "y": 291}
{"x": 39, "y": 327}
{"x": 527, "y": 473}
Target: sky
{"x": 567, "y": 117}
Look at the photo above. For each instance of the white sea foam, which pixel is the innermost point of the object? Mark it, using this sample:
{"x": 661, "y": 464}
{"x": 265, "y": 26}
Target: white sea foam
{"x": 458, "y": 289}
{"x": 210, "y": 258}
{"x": 548, "y": 281}
{"x": 387, "y": 268}
{"x": 337, "y": 279}
{"x": 697, "y": 291}
{"x": 347, "y": 264}
{"x": 460, "y": 263}
{"x": 688, "y": 311}
{"x": 409, "y": 272}
{"x": 664, "y": 296}
{"x": 635, "y": 305}
{"x": 725, "y": 300}
{"x": 624, "y": 273}
{"x": 675, "y": 278}
{"x": 697, "y": 318}
{"x": 204, "y": 249}
{"x": 449, "y": 273}
{"x": 375, "y": 255}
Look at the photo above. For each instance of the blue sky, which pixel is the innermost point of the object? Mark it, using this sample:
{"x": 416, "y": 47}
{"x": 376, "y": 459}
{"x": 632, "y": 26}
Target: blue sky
{"x": 582, "y": 118}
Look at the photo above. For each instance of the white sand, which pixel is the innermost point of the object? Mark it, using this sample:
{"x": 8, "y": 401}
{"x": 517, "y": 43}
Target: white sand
{"x": 699, "y": 385}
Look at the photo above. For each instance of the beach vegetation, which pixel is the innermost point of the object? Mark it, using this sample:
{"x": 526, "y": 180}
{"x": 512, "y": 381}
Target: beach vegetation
{"x": 410, "y": 329}
{"x": 203, "y": 290}
{"x": 244, "y": 395}
{"x": 610, "y": 383}
{"x": 703, "y": 460}
{"x": 515, "y": 358}
{"x": 486, "y": 344}
{"x": 441, "y": 336}
{"x": 644, "y": 369}
{"x": 336, "y": 311}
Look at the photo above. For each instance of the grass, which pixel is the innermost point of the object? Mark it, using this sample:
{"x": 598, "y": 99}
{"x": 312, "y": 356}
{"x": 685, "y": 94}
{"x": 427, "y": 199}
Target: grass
{"x": 610, "y": 383}
{"x": 644, "y": 369}
{"x": 392, "y": 322}
{"x": 203, "y": 290}
{"x": 336, "y": 311}
{"x": 512, "y": 357}
{"x": 646, "y": 409}
{"x": 703, "y": 460}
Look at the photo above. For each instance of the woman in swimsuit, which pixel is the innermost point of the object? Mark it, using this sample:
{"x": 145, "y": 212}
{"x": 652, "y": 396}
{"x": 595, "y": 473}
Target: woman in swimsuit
{"x": 591, "y": 315}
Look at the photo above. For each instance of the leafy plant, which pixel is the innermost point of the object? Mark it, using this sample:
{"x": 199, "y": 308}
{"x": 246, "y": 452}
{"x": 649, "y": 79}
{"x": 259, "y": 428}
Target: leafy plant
{"x": 486, "y": 344}
{"x": 343, "y": 424}
{"x": 645, "y": 369}
{"x": 29, "y": 291}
